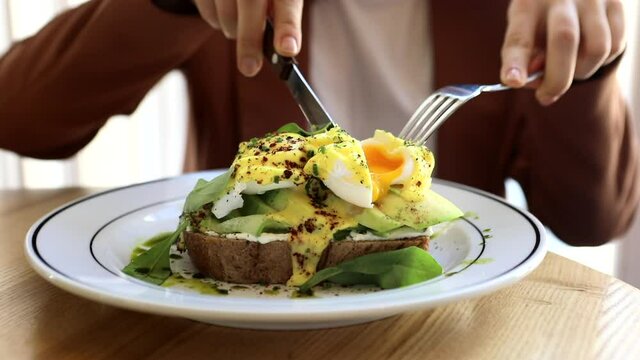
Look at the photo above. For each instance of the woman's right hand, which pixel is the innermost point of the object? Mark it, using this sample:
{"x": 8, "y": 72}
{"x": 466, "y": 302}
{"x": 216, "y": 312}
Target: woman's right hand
{"x": 244, "y": 21}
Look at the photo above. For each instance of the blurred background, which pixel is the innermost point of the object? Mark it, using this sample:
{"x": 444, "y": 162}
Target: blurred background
{"x": 150, "y": 143}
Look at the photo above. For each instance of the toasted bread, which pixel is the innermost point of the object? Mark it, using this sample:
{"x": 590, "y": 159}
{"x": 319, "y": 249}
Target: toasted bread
{"x": 250, "y": 262}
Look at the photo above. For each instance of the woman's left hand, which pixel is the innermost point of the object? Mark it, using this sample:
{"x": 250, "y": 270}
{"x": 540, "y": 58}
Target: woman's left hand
{"x": 570, "y": 39}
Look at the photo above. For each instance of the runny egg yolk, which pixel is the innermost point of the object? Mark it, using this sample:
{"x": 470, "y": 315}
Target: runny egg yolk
{"x": 385, "y": 167}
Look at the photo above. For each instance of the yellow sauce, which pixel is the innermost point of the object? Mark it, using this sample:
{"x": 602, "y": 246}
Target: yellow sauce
{"x": 315, "y": 230}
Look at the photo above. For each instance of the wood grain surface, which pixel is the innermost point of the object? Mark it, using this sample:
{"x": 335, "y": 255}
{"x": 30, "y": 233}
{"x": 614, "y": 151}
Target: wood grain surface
{"x": 562, "y": 311}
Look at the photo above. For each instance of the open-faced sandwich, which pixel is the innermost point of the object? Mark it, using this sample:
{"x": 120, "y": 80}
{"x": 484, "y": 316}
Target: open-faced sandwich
{"x": 299, "y": 208}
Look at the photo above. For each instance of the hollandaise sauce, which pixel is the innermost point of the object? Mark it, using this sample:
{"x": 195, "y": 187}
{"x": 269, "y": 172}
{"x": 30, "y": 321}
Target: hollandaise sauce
{"x": 316, "y": 221}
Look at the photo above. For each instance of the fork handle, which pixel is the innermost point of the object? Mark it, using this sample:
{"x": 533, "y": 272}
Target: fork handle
{"x": 535, "y": 76}
{"x": 500, "y": 87}
{"x": 281, "y": 64}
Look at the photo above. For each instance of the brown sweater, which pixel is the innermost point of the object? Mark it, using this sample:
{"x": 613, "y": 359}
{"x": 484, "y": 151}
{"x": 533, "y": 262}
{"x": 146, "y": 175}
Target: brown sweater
{"x": 577, "y": 160}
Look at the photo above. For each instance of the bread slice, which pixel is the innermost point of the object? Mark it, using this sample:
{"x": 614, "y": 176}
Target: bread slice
{"x": 250, "y": 262}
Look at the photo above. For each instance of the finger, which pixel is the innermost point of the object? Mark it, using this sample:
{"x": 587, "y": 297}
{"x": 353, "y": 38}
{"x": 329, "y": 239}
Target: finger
{"x": 615, "y": 17}
{"x": 287, "y": 26}
{"x": 207, "y": 9}
{"x": 518, "y": 44}
{"x": 595, "y": 38}
{"x": 251, "y": 18}
{"x": 228, "y": 17}
{"x": 563, "y": 36}
{"x": 536, "y": 64}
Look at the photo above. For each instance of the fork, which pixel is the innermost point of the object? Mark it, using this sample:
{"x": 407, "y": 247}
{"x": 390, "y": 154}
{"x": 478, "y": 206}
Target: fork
{"x": 441, "y": 104}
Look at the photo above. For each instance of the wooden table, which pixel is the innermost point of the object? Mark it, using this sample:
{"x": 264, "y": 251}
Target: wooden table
{"x": 563, "y": 310}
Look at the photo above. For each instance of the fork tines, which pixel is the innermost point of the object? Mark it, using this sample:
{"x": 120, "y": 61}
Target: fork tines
{"x": 434, "y": 110}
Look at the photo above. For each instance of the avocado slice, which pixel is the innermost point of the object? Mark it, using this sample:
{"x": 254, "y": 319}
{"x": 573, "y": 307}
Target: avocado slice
{"x": 254, "y": 205}
{"x": 377, "y": 220}
{"x": 276, "y": 199}
{"x": 252, "y": 224}
{"x": 433, "y": 210}
{"x": 209, "y": 223}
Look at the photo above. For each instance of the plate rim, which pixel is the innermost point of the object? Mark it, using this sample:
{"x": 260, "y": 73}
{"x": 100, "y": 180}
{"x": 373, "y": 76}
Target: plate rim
{"x": 76, "y": 287}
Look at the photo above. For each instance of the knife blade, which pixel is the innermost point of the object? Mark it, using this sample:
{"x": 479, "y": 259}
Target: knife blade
{"x": 288, "y": 70}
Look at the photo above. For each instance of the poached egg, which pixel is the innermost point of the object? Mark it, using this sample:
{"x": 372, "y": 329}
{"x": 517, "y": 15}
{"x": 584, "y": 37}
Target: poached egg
{"x": 359, "y": 173}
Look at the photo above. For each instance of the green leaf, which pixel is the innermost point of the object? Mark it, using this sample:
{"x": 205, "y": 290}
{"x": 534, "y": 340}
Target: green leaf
{"x": 153, "y": 265}
{"x": 349, "y": 278}
{"x": 316, "y": 189}
{"x": 296, "y": 129}
{"x": 320, "y": 276}
{"x": 389, "y": 269}
{"x": 206, "y": 192}
{"x": 344, "y": 233}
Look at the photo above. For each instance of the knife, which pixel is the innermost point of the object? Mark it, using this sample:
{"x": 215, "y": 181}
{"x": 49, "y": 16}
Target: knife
{"x": 288, "y": 70}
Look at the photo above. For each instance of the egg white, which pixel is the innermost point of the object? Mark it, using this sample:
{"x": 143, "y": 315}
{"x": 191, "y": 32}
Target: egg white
{"x": 229, "y": 201}
{"x": 342, "y": 183}
{"x": 255, "y": 188}
{"x": 233, "y": 199}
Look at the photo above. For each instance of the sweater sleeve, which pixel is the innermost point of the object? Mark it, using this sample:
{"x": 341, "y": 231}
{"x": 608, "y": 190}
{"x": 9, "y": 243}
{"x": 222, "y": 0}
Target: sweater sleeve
{"x": 579, "y": 161}
{"x": 88, "y": 64}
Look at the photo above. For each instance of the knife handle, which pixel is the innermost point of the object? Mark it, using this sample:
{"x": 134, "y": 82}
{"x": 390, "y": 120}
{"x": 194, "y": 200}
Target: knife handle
{"x": 281, "y": 64}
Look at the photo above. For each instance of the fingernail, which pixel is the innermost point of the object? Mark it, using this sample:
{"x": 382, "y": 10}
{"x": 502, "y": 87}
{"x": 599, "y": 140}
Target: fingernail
{"x": 547, "y": 100}
{"x": 249, "y": 65}
{"x": 289, "y": 44}
{"x": 514, "y": 74}
{"x": 228, "y": 35}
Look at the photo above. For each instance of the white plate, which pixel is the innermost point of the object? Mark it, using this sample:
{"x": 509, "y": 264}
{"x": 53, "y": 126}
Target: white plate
{"x": 81, "y": 247}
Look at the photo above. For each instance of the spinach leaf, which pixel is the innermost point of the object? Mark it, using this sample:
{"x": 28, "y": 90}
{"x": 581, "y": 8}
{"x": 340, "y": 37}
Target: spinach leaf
{"x": 344, "y": 233}
{"x": 389, "y": 269}
{"x": 153, "y": 265}
{"x": 295, "y": 128}
{"x": 317, "y": 191}
{"x": 206, "y": 191}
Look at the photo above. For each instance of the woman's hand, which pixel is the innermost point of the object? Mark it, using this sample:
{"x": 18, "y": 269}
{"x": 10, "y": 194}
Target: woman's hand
{"x": 568, "y": 38}
{"x": 244, "y": 20}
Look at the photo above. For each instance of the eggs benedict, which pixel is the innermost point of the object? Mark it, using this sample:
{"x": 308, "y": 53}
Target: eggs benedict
{"x": 295, "y": 202}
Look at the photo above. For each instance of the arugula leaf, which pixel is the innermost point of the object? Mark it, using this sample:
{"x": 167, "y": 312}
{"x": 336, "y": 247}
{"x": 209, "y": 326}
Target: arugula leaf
{"x": 295, "y": 128}
{"x": 206, "y": 191}
{"x": 389, "y": 269}
{"x": 153, "y": 265}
